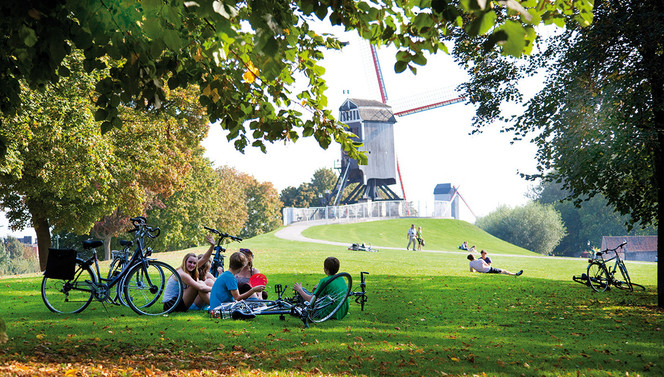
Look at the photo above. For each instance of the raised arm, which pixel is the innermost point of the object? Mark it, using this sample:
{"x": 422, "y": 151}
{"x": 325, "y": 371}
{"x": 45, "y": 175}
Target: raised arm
{"x": 208, "y": 253}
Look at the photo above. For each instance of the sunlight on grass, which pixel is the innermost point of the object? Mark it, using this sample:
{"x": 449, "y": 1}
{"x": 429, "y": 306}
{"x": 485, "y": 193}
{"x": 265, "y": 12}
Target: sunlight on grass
{"x": 426, "y": 315}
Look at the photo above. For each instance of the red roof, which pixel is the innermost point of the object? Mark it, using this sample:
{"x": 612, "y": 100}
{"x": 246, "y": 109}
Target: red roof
{"x": 634, "y": 243}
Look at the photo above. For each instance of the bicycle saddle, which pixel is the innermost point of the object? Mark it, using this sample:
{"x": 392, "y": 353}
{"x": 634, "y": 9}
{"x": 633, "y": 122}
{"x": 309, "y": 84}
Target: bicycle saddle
{"x": 89, "y": 244}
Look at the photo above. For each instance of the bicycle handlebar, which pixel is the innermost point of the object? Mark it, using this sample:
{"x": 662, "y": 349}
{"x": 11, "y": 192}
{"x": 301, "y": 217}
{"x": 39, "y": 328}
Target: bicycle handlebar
{"x": 614, "y": 249}
{"x": 223, "y": 235}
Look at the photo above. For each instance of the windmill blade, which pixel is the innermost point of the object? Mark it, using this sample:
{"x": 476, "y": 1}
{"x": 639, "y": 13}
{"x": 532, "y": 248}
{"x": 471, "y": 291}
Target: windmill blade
{"x": 379, "y": 73}
{"x": 456, "y": 192}
{"x": 426, "y": 101}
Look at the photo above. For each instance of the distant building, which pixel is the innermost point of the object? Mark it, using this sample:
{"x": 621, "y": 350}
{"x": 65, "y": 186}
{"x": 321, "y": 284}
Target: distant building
{"x": 446, "y": 201}
{"x": 26, "y": 240}
{"x": 638, "y": 248}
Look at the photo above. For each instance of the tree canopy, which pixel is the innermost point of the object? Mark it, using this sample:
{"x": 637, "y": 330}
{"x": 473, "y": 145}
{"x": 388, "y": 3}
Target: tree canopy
{"x": 243, "y": 55}
{"x": 61, "y": 172}
{"x": 598, "y": 120}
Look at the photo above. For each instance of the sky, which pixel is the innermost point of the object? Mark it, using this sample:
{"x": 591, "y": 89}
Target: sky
{"x": 432, "y": 147}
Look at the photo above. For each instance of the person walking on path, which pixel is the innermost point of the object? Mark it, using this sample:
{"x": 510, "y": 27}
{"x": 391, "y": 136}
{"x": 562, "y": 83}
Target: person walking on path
{"x": 412, "y": 237}
{"x": 420, "y": 240}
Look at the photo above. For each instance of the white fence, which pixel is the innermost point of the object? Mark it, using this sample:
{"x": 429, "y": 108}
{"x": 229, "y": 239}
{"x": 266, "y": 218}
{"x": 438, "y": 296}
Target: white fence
{"x": 364, "y": 211}
{"x": 346, "y": 213}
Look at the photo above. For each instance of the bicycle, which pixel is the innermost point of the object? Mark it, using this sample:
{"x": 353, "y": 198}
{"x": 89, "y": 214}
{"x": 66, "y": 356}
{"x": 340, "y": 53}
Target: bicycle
{"x": 601, "y": 276}
{"x": 70, "y": 283}
{"x": 318, "y": 309}
{"x": 218, "y": 259}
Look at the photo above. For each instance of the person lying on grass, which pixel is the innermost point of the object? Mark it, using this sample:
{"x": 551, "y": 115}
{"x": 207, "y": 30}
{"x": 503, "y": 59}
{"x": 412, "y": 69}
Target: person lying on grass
{"x": 480, "y": 265}
{"x": 225, "y": 287}
{"x": 338, "y": 286}
{"x": 196, "y": 293}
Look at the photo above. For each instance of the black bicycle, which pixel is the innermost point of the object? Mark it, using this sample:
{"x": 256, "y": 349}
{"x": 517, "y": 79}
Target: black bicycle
{"x": 218, "y": 259}
{"x": 320, "y": 308}
{"x": 601, "y": 276}
{"x": 70, "y": 283}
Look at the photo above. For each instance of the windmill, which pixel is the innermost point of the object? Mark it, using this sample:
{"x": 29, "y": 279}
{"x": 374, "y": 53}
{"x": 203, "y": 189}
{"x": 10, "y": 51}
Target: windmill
{"x": 372, "y": 121}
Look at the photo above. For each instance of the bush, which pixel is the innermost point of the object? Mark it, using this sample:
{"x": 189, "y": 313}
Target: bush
{"x": 536, "y": 227}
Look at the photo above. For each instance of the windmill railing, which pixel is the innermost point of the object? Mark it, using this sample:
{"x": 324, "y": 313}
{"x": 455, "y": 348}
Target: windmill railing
{"x": 346, "y": 212}
{"x": 375, "y": 210}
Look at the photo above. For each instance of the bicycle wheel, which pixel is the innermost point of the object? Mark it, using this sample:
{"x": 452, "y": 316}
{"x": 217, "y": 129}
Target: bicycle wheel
{"x": 626, "y": 283}
{"x": 114, "y": 270}
{"x": 598, "y": 277}
{"x": 330, "y": 299}
{"x": 69, "y": 296}
{"x": 144, "y": 287}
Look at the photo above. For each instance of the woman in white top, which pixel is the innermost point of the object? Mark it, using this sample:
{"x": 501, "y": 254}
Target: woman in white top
{"x": 195, "y": 291}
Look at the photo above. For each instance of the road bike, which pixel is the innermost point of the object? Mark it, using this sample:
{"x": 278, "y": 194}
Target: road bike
{"x": 319, "y": 309}
{"x": 600, "y": 275}
{"x": 217, "y": 266}
{"x": 70, "y": 283}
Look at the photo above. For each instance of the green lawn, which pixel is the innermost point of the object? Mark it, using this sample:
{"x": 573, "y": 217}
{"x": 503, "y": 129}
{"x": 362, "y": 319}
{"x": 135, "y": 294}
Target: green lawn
{"x": 426, "y": 315}
{"x": 438, "y": 234}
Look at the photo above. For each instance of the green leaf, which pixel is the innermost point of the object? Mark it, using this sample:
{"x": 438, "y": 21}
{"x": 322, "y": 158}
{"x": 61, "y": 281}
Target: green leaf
{"x": 419, "y": 59}
{"x": 172, "y": 40}
{"x": 27, "y": 35}
{"x": 100, "y": 115}
{"x": 152, "y": 28}
{"x": 516, "y": 38}
{"x": 400, "y": 66}
{"x": 488, "y": 21}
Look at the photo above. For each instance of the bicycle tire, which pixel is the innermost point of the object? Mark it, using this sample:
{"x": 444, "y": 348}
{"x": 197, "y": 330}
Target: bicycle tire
{"x": 145, "y": 284}
{"x": 598, "y": 277}
{"x": 114, "y": 270}
{"x": 627, "y": 282}
{"x": 323, "y": 307}
{"x": 70, "y": 296}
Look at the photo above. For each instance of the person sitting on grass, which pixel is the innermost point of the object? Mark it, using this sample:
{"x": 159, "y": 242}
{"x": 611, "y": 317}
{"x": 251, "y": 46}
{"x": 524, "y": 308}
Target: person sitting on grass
{"x": 196, "y": 294}
{"x": 246, "y": 273}
{"x": 464, "y": 246}
{"x": 485, "y": 257}
{"x": 225, "y": 287}
{"x": 480, "y": 265}
{"x": 338, "y": 286}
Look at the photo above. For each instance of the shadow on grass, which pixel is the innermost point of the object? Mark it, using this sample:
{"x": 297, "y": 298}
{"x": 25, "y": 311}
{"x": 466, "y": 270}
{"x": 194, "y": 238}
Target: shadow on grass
{"x": 420, "y": 325}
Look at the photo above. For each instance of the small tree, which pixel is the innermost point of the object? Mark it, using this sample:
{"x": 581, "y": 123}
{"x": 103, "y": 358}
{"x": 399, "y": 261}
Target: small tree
{"x": 535, "y": 226}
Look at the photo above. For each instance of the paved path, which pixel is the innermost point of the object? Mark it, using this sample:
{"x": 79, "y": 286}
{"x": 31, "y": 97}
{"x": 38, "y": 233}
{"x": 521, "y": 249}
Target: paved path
{"x": 293, "y": 232}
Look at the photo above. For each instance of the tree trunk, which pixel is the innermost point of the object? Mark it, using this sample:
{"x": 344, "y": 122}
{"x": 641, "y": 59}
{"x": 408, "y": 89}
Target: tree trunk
{"x": 659, "y": 170}
{"x": 652, "y": 47}
{"x": 43, "y": 238}
{"x": 107, "y": 246}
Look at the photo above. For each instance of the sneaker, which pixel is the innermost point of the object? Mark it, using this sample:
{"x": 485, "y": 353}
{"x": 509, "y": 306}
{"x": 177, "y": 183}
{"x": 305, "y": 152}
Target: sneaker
{"x": 519, "y": 273}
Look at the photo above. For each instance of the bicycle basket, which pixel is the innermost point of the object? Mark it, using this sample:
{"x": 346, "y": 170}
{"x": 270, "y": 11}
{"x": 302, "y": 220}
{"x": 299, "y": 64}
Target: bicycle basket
{"x": 60, "y": 264}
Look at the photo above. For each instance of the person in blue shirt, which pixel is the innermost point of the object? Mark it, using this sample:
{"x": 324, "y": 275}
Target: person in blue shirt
{"x": 225, "y": 287}
{"x": 485, "y": 257}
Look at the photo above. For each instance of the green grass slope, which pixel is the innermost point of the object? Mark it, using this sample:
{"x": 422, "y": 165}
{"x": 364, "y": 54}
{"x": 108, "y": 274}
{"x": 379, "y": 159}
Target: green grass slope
{"x": 439, "y": 234}
{"x": 427, "y": 315}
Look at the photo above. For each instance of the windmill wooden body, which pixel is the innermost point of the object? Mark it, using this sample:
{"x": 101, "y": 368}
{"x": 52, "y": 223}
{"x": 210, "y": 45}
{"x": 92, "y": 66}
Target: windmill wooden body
{"x": 373, "y": 123}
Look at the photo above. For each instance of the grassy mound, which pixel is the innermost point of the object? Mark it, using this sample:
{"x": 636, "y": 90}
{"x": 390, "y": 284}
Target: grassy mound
{"x": 439, "y": 234}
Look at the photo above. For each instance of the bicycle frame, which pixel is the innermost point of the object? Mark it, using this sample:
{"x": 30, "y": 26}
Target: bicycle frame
{"x": 103, "y": 285}
{"x": 219, "y": 250}
{"x": 599, "y": 257}
{"x": 293, "y": 306}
